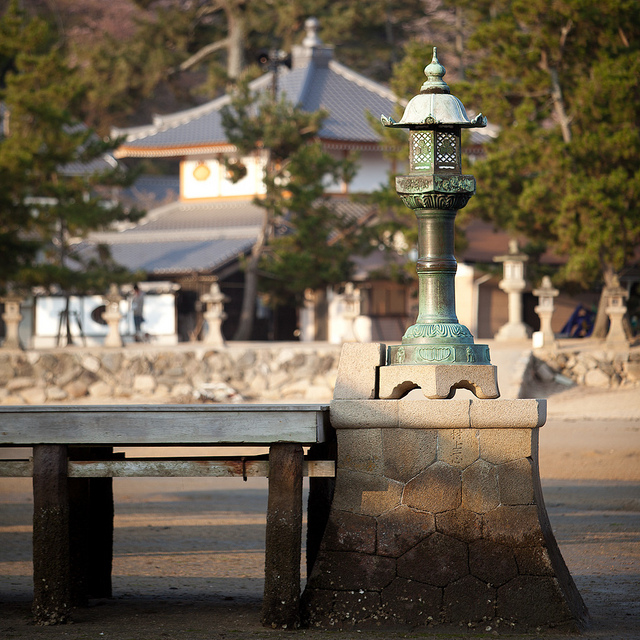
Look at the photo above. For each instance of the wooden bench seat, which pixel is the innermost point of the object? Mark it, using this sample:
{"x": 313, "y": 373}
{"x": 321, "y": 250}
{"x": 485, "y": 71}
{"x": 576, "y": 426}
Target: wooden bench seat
{"x": 73, "y": 465}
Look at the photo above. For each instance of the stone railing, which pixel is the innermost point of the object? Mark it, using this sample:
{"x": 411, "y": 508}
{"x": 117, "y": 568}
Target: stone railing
{"x": 258, "y": 372}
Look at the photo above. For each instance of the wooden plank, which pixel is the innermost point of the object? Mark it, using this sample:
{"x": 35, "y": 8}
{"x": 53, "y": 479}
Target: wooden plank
{"x": 16, "y": 468}
{"x": 165, "y": 468}
{"x": 281, "y": 602}
{"x": 191, "y": 468}
{"x": 132, "y": 425}
{"x": 51, "y": 552}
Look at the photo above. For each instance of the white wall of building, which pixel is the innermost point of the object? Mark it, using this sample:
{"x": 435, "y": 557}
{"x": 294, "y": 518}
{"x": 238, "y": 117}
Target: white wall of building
{"x": 206, "y": 177}
{"x": 202, "y": 178}
{"x": 373, "y": 172}
{"x": 159, "y": 315}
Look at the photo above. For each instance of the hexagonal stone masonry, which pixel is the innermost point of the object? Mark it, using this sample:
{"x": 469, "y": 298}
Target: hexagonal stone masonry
{"x": 438, "y": 561}
{"x": 361, "y": 450}
{"x": 350, "y": 532}
{"x": 406, "y": 452}
{"x": 468, "y": 599}
{"x": 408, "y": 602}
{"x": 438, "y": 488}
{"x": 401, "y": 529}
{"x": 458, "y": 447}
{"x": 365, "y": 493}
{"x": 492, "y": 562}
{"x": 461, "y": 532}
{"x": 480, "y": 487}
{"x": 515, "y": 482}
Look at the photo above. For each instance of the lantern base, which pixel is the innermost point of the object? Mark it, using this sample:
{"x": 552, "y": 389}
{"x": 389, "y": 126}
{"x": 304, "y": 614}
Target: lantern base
{"x": 446, "y": 353}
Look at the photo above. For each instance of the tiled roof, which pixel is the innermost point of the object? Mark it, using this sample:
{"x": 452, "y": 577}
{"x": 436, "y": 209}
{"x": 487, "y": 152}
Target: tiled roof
{"x": 213, "y": 215}
{"x": 179, "y": 256}
{"x": 321, "y": 83}
{"x": 182, "y": 236}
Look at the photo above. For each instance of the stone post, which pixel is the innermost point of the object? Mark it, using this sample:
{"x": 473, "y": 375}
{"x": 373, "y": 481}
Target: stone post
{"x": 308, "y": 317}
{"x": 12, "y": 318}
{"x": 513, "y": 284}
{"x": 112, "y": 317}
{"x": 214, "y": 315}
{"x": 344, "y": 309}
{"x": 545, "y": 338}
{"x": 616, "y": 338}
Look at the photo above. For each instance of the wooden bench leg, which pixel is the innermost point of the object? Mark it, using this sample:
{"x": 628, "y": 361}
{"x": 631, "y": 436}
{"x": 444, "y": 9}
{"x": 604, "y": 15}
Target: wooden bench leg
{"x": 51, "y": 558}
{"x": 281, "y": 604}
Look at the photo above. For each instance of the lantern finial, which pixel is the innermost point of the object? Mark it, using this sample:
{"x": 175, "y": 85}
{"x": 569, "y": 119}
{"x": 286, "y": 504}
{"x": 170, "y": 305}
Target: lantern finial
{"x": 435, "y": 72}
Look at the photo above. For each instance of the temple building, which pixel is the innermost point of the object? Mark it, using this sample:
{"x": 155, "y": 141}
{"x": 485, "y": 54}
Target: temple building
{"x": 211, "y": 223}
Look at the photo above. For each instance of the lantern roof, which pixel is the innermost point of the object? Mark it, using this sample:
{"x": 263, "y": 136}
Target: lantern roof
{"x": 434, "y": 105}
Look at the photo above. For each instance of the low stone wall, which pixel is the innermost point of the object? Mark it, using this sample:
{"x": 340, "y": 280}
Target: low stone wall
{"x": 183, "y": 374}
{"x": 587, "y": 367}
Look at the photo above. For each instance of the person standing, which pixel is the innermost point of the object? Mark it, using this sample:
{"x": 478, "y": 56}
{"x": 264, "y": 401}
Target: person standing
{"x": 137, "y": 306}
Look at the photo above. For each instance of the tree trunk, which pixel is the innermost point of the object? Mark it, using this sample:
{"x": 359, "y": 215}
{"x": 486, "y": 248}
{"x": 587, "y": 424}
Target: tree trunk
{"x": 236, "y": 37}
{"x": 248, "y": 312}
{"x": 67, "y": 317}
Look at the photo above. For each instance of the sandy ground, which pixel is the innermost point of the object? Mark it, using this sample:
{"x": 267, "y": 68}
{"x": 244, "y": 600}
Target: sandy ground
{"x": 189, "y": 553}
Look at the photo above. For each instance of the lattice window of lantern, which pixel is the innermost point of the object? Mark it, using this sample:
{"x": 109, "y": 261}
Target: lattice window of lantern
{"x": 421, "y": 149}
{"x": 446, "y": 152}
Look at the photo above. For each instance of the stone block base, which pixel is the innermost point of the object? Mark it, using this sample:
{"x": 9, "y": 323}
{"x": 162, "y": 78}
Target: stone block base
{"x": 438, "y": 516}
{"x": 439, "y": 526}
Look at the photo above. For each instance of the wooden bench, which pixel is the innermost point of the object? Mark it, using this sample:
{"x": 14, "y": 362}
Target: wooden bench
{"x": 73, "y": 465}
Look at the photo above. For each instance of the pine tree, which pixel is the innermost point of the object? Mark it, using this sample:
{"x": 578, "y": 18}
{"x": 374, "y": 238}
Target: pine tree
{"x": 561, "y": 81}
{"x": 313, "y": 247}
{"x": 55, "y": 166}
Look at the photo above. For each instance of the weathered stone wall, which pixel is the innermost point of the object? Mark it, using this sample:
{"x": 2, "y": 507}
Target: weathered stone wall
{"x": 588, "y": 367}
{"x": 182, "y": 374}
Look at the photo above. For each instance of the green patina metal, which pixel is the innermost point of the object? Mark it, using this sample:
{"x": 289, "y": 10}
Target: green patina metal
{"x": 435, "y": 190}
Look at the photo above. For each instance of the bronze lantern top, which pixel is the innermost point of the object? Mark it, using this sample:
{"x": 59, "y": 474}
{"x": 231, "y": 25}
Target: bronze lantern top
{"x": 434, "y": 106}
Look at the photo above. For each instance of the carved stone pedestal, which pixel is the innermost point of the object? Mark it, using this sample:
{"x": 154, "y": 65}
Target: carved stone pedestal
{"x": 437, "y": 516}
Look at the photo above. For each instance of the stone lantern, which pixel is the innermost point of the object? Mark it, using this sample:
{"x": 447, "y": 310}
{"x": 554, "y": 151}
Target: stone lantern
{"x": 513, "y": 284}
{"x": 12, "y": 318}
{"x": 437, "y": 514}
{"x": 112, "y": 317}
{"x": 214, "y": 315}
{"x": 435, "y": 189}
{"x": 344, "y": 309}
{"x": 616, "y": 308}
{"x": 545, "y": 338}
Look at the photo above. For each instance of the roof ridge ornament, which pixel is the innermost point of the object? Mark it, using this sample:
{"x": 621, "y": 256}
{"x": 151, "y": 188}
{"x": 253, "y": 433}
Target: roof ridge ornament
{"x": 312, "y": 39}
{"x": 435, "y": 72}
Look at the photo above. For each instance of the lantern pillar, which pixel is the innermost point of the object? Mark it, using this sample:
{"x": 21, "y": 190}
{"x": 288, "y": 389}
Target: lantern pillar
{"x": 112, "y": 317}
{"x": 616, "y": 338}
{"x": 437, "y": 515}
{"x": 437, "y": 354}
{"x": 513, "y": 284}
{"x": 545, "y": 338}
{"x": 12, "y": 318}
{"x": 214, "y": 315}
